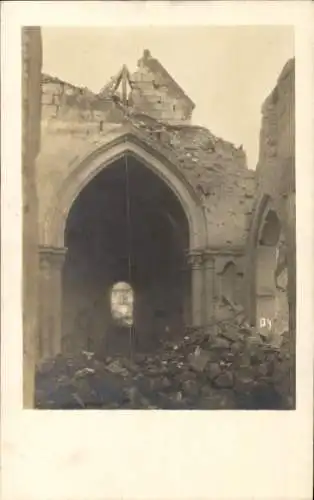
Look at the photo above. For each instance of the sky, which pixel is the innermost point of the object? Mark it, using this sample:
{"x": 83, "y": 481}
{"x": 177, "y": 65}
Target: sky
{"x": 227, "y": 71}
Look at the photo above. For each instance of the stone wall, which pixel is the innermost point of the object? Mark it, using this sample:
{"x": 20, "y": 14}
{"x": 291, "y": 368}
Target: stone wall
{"x": 218, "y": 172}
{"x": 31, "y": 113}
{"x": 71, "y": 104}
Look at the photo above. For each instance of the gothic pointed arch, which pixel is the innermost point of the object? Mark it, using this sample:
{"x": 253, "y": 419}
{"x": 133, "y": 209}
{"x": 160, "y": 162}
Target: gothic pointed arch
{"x": 87, "y": 166}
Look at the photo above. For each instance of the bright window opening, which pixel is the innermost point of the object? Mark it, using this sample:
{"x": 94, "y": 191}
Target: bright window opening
{"x": 122, "y": 300}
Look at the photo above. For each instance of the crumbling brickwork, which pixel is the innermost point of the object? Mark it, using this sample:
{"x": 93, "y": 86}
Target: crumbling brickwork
{"x": 71, "y": 104}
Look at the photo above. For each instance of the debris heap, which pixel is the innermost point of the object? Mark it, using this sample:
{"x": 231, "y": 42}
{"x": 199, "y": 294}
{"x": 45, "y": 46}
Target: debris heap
{"x": 227, "y": 367}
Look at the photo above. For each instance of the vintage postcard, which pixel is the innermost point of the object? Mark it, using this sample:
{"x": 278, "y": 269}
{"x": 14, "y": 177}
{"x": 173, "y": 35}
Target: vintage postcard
{"x": 157, "y": 234}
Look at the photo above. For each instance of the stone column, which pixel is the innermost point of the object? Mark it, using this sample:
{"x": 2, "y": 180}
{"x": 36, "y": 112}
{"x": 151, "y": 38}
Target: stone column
{"x": 209, "y": 270}
{"x": 196, "y": 259}
{"x": 50, "y": 301}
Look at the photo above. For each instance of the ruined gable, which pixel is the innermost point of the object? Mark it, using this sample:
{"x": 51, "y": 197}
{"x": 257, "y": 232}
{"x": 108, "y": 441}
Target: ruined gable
{"x": 156, "y": 93}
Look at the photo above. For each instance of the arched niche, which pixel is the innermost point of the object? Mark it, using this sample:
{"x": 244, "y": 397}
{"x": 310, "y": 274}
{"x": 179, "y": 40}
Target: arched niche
{"x": 271, "y": 276}
{"x": 230, "y": 278}
{"x": 267, "y": 253}
{"x": 228, "y": 281}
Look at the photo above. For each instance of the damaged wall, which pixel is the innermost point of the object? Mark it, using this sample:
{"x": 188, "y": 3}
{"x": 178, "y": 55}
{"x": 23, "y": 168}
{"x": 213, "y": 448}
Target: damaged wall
{"x": 276, "y": 193}
{"x": 275, "y": 167}
{"x": 66, "y": 102}
{"x": 218, "y": 172}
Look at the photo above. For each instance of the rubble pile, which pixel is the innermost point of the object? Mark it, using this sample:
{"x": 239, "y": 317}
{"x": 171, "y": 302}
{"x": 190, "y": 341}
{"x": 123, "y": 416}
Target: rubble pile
{"x": 227, "y": 367}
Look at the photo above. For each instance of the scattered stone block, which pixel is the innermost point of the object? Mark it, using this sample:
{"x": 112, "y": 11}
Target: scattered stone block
{"x": 199, "y": 359}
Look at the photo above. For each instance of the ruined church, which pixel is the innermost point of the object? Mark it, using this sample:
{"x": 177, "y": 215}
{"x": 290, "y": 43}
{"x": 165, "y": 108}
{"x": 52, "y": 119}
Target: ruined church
{"x": 133, "y": 204}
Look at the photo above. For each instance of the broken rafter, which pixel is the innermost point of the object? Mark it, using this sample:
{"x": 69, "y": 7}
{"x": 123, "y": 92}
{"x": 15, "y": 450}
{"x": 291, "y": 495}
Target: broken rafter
{"x": 123, "y": 79}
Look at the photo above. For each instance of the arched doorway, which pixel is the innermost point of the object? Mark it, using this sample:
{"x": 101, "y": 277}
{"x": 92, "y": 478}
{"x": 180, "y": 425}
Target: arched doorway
{"x": 168, "y": 215}
{"x": 125, "y": 227}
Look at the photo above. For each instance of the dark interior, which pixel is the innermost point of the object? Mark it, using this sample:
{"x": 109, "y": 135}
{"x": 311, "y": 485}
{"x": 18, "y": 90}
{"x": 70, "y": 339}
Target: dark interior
{"x": 126, "y": 225}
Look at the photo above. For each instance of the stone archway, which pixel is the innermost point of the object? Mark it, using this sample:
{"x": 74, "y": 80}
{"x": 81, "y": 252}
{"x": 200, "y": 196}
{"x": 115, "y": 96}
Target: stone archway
{"x": 270, "y": 287}
{"x": 53, "y": 232}
{"x": 266, "y": 259}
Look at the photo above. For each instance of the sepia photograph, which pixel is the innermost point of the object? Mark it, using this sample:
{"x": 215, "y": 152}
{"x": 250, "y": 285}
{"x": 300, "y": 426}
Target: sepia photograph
{"x": 159, "y": 240}
{"x": 157, "y": 243}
